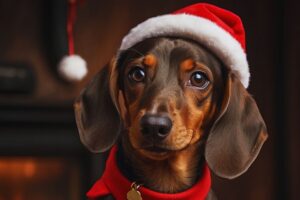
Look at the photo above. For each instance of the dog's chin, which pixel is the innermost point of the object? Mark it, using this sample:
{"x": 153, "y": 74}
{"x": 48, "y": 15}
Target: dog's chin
{"x": 156, "y": 152}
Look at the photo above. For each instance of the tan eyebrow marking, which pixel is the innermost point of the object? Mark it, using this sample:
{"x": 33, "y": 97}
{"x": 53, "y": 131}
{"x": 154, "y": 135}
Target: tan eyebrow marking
{"x": 150, "y": 60}
{"x": 187, "y": 64}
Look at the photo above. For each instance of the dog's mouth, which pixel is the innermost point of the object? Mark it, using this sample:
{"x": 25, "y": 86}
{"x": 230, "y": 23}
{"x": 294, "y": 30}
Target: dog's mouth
{"x": 157, "y": 149}
{"x": 155, "y": 152}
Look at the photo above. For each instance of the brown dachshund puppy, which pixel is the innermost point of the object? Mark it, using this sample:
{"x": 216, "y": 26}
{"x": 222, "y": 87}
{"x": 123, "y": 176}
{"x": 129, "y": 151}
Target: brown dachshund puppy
{"x": 171, "y": 106}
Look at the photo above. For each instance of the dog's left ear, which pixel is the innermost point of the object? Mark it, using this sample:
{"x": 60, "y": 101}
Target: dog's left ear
{"x": 237, "y": 135}
{"x": 97, "y": 110}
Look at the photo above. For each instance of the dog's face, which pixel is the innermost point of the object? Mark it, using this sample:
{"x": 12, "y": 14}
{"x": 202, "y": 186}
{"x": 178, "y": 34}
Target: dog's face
{"x": 168, "y": 86}
{"x": 165, "y": 95}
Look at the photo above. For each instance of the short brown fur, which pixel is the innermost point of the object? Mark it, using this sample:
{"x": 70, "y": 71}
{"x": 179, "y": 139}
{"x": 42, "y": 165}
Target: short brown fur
{"x": 178, "y": 168}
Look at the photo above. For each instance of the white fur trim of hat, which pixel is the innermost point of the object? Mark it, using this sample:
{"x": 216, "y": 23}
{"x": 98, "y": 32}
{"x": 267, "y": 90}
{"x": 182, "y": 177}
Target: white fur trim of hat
{"x": 219, "y": 30}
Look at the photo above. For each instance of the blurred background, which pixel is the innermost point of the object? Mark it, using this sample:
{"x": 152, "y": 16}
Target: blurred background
{"x": 41, "y": 157}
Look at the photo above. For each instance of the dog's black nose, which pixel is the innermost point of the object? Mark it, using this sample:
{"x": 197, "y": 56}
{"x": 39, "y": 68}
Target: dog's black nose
{"x": 156, "y": 126}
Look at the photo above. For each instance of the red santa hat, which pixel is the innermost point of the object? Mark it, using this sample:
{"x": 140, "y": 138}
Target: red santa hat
{"x": 72, "y": 67}
{"x": 218, "y": 29}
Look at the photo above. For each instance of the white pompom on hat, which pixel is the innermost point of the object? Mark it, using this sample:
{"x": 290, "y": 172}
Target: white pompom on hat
{"x": 72, "y": 67}
{"x": 218, "y": 29}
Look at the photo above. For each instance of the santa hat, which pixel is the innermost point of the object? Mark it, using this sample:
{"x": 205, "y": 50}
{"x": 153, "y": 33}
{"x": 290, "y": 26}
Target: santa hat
{"x": 218, "y": 29}
{"x": 72, "y": 67}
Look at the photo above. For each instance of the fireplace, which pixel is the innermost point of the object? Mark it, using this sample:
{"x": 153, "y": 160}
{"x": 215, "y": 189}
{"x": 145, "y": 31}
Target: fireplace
{"x": 38, "y": 178}
{"x": 41, "y": 157}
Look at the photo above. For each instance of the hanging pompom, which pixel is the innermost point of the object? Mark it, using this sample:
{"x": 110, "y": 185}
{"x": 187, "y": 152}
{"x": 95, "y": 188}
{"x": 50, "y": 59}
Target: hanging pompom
{"x": 72, "y": 68}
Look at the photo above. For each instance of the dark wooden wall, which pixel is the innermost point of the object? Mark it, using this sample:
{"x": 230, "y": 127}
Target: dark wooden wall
{"x": 273, "y": 49}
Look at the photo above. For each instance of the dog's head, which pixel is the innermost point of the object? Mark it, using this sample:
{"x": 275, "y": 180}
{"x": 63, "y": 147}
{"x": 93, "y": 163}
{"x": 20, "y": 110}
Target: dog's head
{"x": 165, "y": 95}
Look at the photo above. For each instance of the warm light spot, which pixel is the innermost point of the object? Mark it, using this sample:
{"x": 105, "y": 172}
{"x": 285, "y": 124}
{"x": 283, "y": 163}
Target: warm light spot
{"x": 39, "y": 178}
{"x": 29, "y": 169}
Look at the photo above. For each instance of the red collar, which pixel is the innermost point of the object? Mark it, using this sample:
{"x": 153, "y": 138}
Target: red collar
{"x": 114, "y": 183}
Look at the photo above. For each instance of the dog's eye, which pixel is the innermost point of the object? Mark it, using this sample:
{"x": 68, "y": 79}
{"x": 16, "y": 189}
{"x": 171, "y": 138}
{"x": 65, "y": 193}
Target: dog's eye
{"x": 137, "y": 74}
{"x": 199, "y": 79}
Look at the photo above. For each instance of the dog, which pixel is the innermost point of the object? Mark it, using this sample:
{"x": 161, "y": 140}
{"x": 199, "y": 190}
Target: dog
{"x": 171, "y": 106}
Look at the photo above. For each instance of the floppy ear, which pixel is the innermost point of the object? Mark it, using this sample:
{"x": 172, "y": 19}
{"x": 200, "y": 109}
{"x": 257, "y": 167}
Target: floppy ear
{"x": 96, "y": 111}
{"x": 237, "y": 135}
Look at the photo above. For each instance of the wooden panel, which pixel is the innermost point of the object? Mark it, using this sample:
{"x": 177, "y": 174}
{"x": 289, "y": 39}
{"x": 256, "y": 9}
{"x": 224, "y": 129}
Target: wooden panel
{"x": 291, "y": 66}
{"x": 22, "y": 40}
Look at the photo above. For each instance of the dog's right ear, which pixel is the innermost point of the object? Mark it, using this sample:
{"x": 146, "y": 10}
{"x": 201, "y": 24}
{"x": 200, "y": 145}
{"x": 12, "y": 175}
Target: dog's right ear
{"x": 96, "y": 114}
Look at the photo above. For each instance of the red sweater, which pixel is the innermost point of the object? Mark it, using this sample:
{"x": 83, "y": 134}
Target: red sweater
{"x": 114, "y": 183}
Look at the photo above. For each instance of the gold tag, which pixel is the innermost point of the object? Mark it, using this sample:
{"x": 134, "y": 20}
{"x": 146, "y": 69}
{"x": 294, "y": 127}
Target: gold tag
{"x": 134, "y": 194}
